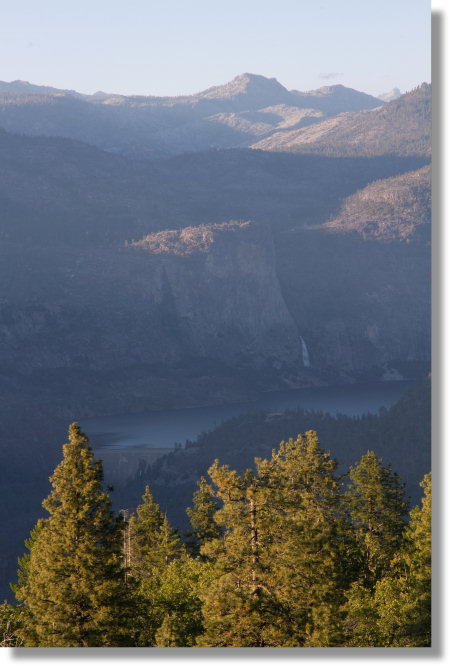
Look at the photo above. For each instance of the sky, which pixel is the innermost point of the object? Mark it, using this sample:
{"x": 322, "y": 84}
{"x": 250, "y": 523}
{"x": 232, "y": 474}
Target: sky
{"x": 174, "y": 47}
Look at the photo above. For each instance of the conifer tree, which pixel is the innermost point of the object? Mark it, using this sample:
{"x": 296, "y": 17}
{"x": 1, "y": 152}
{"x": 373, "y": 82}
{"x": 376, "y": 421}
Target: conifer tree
{"x": 201, "y": 516}
{"x": 239, "y": 609}
{"x": 280, "y": 563}
{"x": 23, "y": 573}
{"x": 179, "y": 599}
{"x": 377, "y": 507}
{"x": 403, "y": 597}
{"x": 25, "y": 561}
{"x": 11, "y": 621}
{"x": 376, "y": 503}
{"x": 144, "y": 529}
{"x": 397, "y": 611}
{"x": 72, "y": 584}
{"x": 154, "y": 544}
{"x": 311, "y": 551}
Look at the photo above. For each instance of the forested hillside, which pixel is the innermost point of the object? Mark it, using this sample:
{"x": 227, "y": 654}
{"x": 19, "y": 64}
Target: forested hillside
{"x": 397, "y": 208}
{"x": 401, "y": 127}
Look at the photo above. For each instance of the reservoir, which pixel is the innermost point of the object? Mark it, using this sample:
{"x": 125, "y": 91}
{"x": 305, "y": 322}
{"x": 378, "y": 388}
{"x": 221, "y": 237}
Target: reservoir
{"x": 162, "y": 429}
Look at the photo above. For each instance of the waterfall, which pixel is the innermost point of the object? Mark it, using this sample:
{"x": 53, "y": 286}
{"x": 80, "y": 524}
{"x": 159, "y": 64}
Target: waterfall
{"x": 305, "y": 355}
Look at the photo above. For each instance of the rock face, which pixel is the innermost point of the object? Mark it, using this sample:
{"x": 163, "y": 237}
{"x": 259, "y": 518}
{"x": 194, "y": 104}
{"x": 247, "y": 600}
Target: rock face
{"x": 222, "y": 284}
{"x": 362, "y": 305}
{"x": 182, "y": 317}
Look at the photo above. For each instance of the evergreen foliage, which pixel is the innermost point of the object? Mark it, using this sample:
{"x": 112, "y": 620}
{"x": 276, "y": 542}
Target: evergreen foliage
{"x": 396, "y": 612}
{"x": 179, "y": 599}
{"x": 377, "y": 506}
{"x": 282, "y": 555}
{"x": 279, "y": 566}
{"x": 11, "y": 625}
{"x": 72, "y": 582}
{"x": 201, "y": 517}
{"x": 311, "y": 544}
{"x": 403, "y": 597}
{"x": 239, "y": 609}
{"x": 144, "y": 528}
{"x": 153, "y": 544}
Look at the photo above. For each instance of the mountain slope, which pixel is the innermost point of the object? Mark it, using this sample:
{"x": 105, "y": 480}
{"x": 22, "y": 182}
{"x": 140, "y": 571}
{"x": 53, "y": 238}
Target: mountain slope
{"x": 56, "y": 190}
{"x": 153, "y": 127}
{"x": 396, "y": 208}
{"x": 401, "y": 127}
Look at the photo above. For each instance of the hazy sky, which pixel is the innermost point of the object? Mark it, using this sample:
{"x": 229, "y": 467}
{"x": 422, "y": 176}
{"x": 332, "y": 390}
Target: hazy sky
{"x": 170, "y": 47}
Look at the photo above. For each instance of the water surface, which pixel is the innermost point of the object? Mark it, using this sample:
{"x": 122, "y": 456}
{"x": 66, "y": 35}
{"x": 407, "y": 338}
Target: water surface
{"x": 163, "y": 429}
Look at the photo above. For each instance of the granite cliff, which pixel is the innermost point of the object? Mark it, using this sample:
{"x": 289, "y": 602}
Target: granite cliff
{"x": 179, "y": 318}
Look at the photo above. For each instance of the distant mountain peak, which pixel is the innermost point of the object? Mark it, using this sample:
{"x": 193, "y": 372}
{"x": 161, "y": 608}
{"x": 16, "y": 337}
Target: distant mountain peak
{"x": 327, "y": 90}
{"x": 337, "y": 90}
{"x": 25, "y": 87}
{"x": 246, "y": 83}
{"x": 389, "y": 96}
{"x": 247, "y": 79}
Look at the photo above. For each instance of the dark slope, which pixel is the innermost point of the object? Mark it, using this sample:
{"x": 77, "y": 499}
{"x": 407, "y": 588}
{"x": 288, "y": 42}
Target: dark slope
{"x": 61, "y": 191}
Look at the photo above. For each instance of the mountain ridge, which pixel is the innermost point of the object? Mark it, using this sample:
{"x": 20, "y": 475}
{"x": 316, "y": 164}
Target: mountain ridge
{"x": 150, "y": 127}
{"x": 402, "y": 126}
{"x": 241, "y": 83}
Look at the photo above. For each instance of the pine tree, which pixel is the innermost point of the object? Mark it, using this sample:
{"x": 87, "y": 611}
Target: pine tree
{"x": 239, "y": 610}
{"x": 403, "y": 598}
{"x": 11, "y": 621}
{"x": 154, "y": 544}
{"x": 376, "y": 503}
{"x": 311, "y": 544}
{"x": 179, "y": 599}
{"x": 280, "y": 564}
{"x": 144, "y": 529}
{"x": 24, "y": 562}
{"x": 201, "y": 516}
{"x": 397, "y": 611}
{"x": 377, "y": 507}
{"x": 72, "y": 584}
{"x": 23, "y": 574}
